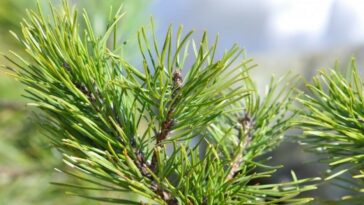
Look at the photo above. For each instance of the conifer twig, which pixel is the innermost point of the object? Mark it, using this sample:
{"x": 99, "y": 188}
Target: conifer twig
{"x": 169, "y": 121}
{"x": 245, "y": 135}
{"x": 162, "y": 135}
{"x": 332, "y": 122}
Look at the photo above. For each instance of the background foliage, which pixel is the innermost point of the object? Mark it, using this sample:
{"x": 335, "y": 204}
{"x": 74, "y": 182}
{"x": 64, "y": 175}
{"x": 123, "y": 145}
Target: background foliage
{"x": 332, "y": 124}
{"x": 27, "y": 161}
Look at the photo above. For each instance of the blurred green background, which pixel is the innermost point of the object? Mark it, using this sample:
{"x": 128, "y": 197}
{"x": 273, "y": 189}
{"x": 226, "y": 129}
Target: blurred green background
{"x": 27, "y": 161}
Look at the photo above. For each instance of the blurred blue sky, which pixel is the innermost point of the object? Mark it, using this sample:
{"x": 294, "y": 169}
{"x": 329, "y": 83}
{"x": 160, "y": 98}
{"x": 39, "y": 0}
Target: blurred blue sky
{"x": 266, "y": 26}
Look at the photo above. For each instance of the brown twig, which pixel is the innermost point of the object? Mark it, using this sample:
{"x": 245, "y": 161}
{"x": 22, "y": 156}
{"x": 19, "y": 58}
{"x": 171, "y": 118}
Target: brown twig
{"x": 245, "y": 128}
{"x": 169, "y": 121}
{"x": 165, "y": 129}
{"x": 145, "y": 168}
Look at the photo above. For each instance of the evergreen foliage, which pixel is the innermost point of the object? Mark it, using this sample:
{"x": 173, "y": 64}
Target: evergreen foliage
{"x": 333, "y": 122}
{"x": 166, "y": 131}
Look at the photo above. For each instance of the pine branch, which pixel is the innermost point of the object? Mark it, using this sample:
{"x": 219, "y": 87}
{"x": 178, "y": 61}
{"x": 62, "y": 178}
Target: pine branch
{"x": 113, "y": 122}
{"x": 169, "y": 121}
{"x": 167, "y": 124}
{"x": 162, "y": 135}
{"x": 332, "y": 120}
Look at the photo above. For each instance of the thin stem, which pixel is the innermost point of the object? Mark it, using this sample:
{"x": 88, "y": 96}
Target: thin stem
{"x": 246, "y": 125}
{"x": 165, "y": 129}
{"x": 168, "y": 123}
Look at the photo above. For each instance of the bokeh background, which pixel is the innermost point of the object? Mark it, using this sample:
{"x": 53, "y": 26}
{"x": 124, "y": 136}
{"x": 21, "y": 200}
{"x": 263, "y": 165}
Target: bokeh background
{"x": 301, "y": 36}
